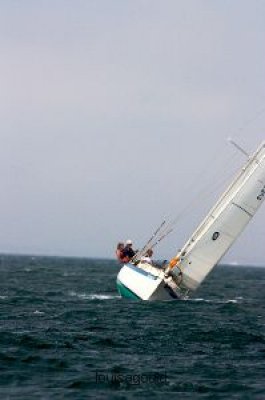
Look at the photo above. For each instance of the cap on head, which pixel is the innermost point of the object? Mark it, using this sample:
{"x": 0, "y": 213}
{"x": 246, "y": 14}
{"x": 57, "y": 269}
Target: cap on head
{"x": 128, "y": 241}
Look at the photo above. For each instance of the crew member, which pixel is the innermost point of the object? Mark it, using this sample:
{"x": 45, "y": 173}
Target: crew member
{"x": 147, "y": 257}
{"x": 122, "y": 258}
{"x": 128, "y": 250}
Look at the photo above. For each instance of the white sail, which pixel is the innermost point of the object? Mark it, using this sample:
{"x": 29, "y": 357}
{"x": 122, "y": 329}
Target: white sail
{"x": 224, "y": 223}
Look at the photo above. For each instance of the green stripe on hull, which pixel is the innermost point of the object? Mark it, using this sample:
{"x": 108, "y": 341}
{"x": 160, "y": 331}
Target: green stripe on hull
{"x": 125, "y": 292}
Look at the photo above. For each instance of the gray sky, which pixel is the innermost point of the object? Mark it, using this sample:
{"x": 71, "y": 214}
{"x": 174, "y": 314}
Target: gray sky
{"x": 115, "y": 114}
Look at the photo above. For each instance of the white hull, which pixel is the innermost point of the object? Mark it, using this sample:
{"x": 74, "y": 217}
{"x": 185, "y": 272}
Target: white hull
{"x": 145, "y": 282}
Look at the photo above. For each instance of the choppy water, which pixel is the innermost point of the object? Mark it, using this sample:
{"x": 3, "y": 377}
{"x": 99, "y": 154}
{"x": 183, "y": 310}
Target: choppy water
{"x": 66, "y": 334}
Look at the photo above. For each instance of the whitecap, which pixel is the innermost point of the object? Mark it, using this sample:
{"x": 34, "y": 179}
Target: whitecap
{"x": 102, "y": 297}
{"x": 37, "y": 312}
{"x": 199, "y": 299}
{"x": 93, "y": 296}
{"x": 216, "y": 301}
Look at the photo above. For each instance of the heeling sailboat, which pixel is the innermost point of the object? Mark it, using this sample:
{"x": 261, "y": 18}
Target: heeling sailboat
{"x": 206, "y": 246}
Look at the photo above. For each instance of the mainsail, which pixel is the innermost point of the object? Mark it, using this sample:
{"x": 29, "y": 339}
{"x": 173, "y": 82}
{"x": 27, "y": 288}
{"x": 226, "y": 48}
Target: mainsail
{"x": 224, "y": 223}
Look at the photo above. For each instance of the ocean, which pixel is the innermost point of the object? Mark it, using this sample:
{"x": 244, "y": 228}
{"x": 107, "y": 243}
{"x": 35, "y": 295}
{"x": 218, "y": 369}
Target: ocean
{"x": 66, "y": 334}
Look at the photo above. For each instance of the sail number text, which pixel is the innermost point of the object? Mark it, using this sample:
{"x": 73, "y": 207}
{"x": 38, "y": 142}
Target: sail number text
{"x": 262, "y": 193}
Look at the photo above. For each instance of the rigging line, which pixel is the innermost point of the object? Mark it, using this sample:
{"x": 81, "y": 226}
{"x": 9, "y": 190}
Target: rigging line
{"x": 165, "y": 229}
{"x": 171, "y": 229}
{"x": 155, "y": 233}
{"x": 165, "y": 233}
{"x": 158, "y": 238}
{"x": 139, "y": 253}
{"x": 230, "y": 140}
{"x": 201, "y": 227}
{"x": 204, "y": 194}
{"x": 200, "y": 246}
{"x": 162, "y": 234}
{"x": 213, "y": 185}
{"x": 169, "y": 226}
{"x": 162, "y": 237}
{"x": 248, "y": 122}
{"x": 212, "y": 182}
{"x": 148, "y": 245}
{"x": 205, "y": 168}
{"x": 201, "y": 195}
{"x": 214, "y": 176}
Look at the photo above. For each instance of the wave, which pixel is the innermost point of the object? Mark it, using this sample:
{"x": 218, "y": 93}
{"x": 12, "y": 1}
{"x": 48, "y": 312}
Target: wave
{"x": 103, "y": 297}
{"x": 224, "y": 301}
{"x": 37, "y": 312}
{"x": 93, "y": 296}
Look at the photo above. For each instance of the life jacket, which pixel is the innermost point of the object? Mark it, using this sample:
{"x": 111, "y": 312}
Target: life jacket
{"x": 121, "y": 258}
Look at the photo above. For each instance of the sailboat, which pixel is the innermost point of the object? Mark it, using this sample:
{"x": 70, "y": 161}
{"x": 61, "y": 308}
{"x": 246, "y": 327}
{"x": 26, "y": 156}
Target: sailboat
{"x": 206, "y": 246}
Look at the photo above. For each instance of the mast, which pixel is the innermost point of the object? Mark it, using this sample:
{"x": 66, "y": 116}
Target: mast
{"x": 224, "y": 223}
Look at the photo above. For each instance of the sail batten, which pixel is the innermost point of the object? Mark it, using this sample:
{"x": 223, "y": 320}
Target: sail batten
{"x": 243, "y": 209}
{"x": 225, "y": 222}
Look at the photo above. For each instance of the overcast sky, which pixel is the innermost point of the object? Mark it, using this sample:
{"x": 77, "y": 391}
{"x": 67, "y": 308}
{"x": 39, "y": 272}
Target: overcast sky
{"x": 115, "y": 114}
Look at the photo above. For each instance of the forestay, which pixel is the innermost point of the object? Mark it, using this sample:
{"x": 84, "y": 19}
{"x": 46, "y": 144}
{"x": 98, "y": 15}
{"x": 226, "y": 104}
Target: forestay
{"x": 224, "y": 223}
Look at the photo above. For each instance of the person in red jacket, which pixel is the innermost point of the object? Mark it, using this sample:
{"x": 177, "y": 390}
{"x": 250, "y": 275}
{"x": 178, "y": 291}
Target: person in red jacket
{"x": 122, "y": 258}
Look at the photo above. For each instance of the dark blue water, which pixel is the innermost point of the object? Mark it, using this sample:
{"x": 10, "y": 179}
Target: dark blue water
{"x": 66, "y": 334}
